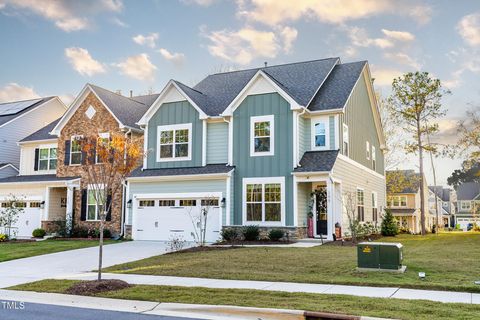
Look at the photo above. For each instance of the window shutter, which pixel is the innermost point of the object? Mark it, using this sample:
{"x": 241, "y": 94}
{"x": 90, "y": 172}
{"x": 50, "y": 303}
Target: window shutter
{"x": 83, "y": 210}
{"x": 66, "y": 160}
{"x": 109, "y": 212}
{"x": 35, "y": 165}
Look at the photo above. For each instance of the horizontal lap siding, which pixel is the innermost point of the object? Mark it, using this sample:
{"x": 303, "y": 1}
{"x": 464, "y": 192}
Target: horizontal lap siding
{"x": 190, "y": 186}
{"x": 303, "y": 197}
{"x": 217, "y": 142}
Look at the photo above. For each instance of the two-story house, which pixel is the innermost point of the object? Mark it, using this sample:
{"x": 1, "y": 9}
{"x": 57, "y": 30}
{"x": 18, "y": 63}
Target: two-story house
{"x": 468, "y": 204}
{"x": 268, "y": 146}
{"x": 443, "y": 199}
{"x": 404, "y": 201}
{"x": 19, "y": 119}
{"x": 52, "y": 181}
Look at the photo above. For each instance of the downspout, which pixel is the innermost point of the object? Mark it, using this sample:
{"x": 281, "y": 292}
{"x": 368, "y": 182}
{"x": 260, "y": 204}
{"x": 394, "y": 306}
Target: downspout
{"x": 122, "y": 218}
{"x": 229, "y": 139}
{"x": 297, "y": 157}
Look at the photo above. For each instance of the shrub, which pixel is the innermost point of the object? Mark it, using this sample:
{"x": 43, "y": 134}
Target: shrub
{"x": 276, "y": 234}
{"x": 80, "y": 232}
{"x": 107, "y": 234}
{"x": 39, "y": 233}
{"x": 389, "y": 224}
{"x": 229, "y": 234}
{"x": 3, "y": 237}
{"x": 251, "y": 233}
{"x": 60, "y": 228}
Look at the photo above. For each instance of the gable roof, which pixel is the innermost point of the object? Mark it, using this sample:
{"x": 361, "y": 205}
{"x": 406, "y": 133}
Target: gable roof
{"x": 468, "y": 191}
{"x": 441, "y": 192}
{"x": 127, "y": 111}
{"x": 35, "y": 103}
{"x": 42, "y": 134}
{"x": 6, "y": 165}
{"x": 317, "y": 161}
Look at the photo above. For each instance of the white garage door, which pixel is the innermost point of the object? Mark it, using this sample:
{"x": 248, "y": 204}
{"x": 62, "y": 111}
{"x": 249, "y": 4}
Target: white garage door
{"x": 28, "y": 220}
{"x": 166, "y": 219}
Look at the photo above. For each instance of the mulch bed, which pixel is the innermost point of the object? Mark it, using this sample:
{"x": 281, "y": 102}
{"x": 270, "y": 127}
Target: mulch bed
{"x": 258, "y": 242}
{"x": 88, "y": 288}
{"x": 18, "y": 241}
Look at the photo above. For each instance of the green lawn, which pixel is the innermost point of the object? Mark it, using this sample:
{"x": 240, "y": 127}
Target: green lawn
{"x": 16, "y": 250}
{"x": 450, "y": 260}
{"x": 374, "y": 307}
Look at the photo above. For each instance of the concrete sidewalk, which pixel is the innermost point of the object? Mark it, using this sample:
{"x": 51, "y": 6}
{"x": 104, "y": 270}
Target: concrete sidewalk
{"x": 211, "y": 312}
{"x": 361, "y": 291}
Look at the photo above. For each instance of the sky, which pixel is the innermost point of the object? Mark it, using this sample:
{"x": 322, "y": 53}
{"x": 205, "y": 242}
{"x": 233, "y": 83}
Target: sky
{"x": 55, "y": 47}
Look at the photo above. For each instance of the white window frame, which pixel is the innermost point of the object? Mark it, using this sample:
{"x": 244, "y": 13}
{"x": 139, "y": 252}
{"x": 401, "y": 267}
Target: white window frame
{"x": 49, "y": 159}
{"x": 463, "y": 206}
{"x": 374, "y": 158}
{"x": 360, "y": 205}
{"x": 174, "y": 128}
{"x": 72, "y": 138}
{"x": 268, "y": 118}
{"x": 375, "y": 204}
{"x": 367, "y": 149}
{"x": 91, "y": 188}
{"x": 399, "y": 198}
{"x": 346, "y": 139}
{"x": 263, "y": 181}
{"x": 103, "y": 135}
{"x": 326, "y": 121}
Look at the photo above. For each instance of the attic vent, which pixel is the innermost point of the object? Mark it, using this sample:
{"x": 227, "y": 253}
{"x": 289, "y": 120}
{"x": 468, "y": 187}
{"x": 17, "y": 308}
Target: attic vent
{"x": 90, "y": 112}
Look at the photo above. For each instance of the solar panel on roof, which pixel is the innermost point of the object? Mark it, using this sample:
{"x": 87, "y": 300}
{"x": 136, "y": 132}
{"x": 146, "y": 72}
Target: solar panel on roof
{"x": 16, "y": 107}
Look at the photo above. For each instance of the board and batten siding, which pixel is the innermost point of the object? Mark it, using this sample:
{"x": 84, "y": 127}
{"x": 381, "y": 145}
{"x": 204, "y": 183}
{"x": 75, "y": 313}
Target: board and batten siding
{"x": 187, "y": 186}
{"x": 359, "y": 118}
{"x": 217, "y": 142}
{"x": 278, "y": 165}
{"x": 175, "y": 113}
{"x": 305, "y": 134}
{"x": 353, "y": 177}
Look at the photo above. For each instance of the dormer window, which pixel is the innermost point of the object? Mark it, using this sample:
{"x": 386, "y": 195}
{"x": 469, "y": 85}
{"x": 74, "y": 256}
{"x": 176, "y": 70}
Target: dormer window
{"x": 320, "y": 134}
{"x": 262, "y": 136}
{"x": 174, "y": 142}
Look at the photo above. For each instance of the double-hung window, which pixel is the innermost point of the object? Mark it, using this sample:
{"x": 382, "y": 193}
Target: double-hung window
{"x": 174, "y": 142}
{"x": 102, "y": 146}
{"x": 466, "y": 205}
{"x": 264, "y": 202}
{"x": 262, "y": 142}
{"x": 47, "y": 158}
{"x": 397, "y": 201}
{"x": 320, "y": 134}
{"x": 374, "y": 158}
{"x": 345, "y": 140}
{"x": 76, "y": 150}
{"x": 374, "y": 207}
{"x": 94, "y": 208}
{"x": 361, "y": 204}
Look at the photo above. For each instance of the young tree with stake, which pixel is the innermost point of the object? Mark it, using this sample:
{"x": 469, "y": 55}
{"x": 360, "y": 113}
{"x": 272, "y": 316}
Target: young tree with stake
{"x": 416, "y": 99}
{"x": 109, "y": 160}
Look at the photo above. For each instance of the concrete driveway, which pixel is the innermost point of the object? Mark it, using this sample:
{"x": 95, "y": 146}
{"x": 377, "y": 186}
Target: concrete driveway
{"x": 68, "y": 263}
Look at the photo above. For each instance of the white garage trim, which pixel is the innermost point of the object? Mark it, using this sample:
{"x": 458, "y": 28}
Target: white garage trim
{"x": 178, "y": 195}
{"x": 209, "y": 176}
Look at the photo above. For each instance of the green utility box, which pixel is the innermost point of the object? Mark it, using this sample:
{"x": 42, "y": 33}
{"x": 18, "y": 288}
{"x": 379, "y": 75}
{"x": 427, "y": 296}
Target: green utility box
{"x": 380, "y": 256}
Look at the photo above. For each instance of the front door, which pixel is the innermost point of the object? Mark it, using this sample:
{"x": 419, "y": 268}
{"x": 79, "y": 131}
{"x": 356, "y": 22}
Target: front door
{"x": 321, "y": 210}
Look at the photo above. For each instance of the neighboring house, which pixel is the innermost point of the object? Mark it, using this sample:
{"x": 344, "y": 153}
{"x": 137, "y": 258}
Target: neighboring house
{"x": 263, "y": 146}
{"x": 468, "y": 204}
{"x": 404, "y": 203}
{"x": 445, "y": 199}
{"x": 19, "y": 119}
{"x": 52, "y": 180}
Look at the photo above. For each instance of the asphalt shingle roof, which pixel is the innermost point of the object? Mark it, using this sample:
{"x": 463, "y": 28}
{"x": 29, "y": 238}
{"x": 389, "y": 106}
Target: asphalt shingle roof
{"x": 441, "y": 192}
{"x": 36, "y": 178}
{"x": 468, "y": 191}
{"x": 208, "y": 169}
{"x": 335, "y": 91}
{"x": 42, "y": 134}
{"x": 7, "y": 118}
{"x": 317, "y": 161}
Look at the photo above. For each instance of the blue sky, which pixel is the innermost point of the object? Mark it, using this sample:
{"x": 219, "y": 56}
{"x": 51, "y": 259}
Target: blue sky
{"x": 54, "y": 48}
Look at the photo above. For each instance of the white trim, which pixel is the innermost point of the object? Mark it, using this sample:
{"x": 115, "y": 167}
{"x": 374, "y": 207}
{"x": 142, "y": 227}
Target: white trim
{"x": 263, "y": 181}
{"x": 51, "y": 182}
{"x": 209, "y": 176}
{"x": 158, "y": 103}
{"x": 33, "y": 109}
{"x": 240, "y": 97}
{"x": 336, "y": 120}
{"x": 145, "y": 147}
{"x": 295, "y": 202}
{"x": 324, "y": 112}
{"x": 227, "y": 200}
{"x": 295, "y": 117}
{"x": 177, "y": 195}
{"x": 313, "y": 122}
{"x": 271, "y": 119}
{"x": 174, "y": 128}
{"x": 204, "y": 142}
{"x": 368, "y": 151}
{"x": 345, "y": 126}
{"x": 230, "y": 141}
{"x": 70, "y": 153}
{"x": 358, "y": 165}
{"x": 373, "y": 154}
{"x": 9, "y": 165}
{"x": 37, "y": 141}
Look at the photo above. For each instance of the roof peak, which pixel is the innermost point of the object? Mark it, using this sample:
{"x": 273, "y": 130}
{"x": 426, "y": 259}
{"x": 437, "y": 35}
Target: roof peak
{"x": 117, "y": 94}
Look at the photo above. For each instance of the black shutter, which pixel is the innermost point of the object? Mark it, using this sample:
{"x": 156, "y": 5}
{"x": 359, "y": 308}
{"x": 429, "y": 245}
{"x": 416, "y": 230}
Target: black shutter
{"x": 109, "y": 212}
{"x": 66, "y": 160}
{"x": 83, "y": 210}
{"x": 35, "y": 165}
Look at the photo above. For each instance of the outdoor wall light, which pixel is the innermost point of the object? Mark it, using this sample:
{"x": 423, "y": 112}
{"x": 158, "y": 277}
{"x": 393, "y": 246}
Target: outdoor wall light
{"x": 129, "y": 204}
{"x": 223, "y": 202}
{"x": 42, "y": 205}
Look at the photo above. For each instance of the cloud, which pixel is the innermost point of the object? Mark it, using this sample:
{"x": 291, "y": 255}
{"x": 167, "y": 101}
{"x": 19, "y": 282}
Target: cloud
{"x": 404, "y": 59}
{"x": 360, "y": 38}
{"x": 67, "y": 15}
{"x": 203, "y": 3}
{"x": 148, "y": 40}
{"x": 469, "y": 28}
{"x": 421, "y": 14}
{"x": 289, "y": 35}
{"x": 83, "y": 63}
{"x": 176, "y": 58}
{"x": 138, "y": 67}
{"x": 118, "y": 22}
{"x": 399, "y": 35}
{"x": 384, "y": 76}
{"x": 67, "y": 98}
{"x": 14, "y": 92}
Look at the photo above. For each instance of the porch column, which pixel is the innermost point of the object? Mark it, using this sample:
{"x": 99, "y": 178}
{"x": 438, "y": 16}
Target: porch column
{"x": 330, "y": 209}
{"x": 46, "y": 205}
{"x": 69, "y": 210}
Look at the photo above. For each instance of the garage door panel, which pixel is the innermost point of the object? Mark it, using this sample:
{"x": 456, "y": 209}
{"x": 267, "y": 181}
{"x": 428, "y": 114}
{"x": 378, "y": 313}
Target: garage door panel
{"x": 28, "y": 220}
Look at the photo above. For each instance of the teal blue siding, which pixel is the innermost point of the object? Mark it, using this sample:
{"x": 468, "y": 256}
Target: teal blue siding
{"x": 175, "y": 113}
{"x": 217, "y": 142}
{"x": 331, "y": 123}
{"x": 278, "y": 165}
{"x": 189, "y": 186}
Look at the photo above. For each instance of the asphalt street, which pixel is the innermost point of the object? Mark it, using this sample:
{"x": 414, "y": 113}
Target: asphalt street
{"x": 14, "y": 310}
